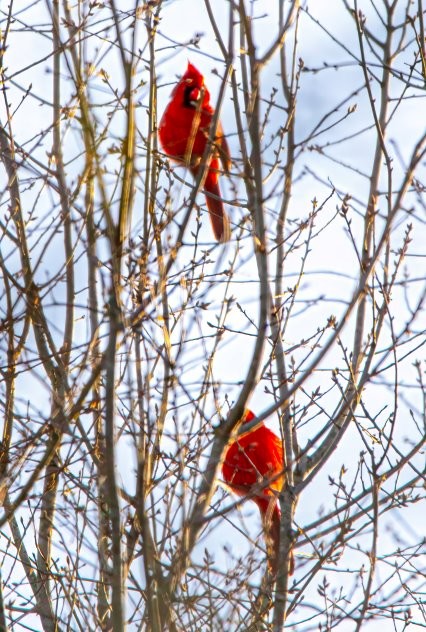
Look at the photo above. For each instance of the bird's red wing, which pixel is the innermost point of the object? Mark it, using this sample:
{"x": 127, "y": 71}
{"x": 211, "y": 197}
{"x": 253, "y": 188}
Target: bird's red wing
{"x": 267, "y": 455}
{"x": 223, "y": 149}
{"x": 277, "y": 460}
{"x": 237, "y": 468}
{"x": 253, "y": 456}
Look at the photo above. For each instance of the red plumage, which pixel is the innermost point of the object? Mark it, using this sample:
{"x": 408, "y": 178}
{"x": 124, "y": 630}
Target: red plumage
{"x": 255, "y": 464}
{"x": 184, "y": 132}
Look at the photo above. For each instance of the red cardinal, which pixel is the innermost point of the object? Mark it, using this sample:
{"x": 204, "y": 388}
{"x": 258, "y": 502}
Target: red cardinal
{"x": 250, "y": 462}
{"x": 184, "y": 133}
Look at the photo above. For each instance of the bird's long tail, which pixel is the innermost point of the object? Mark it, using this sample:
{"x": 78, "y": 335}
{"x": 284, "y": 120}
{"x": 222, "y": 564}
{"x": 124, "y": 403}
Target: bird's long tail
{"x": 218, "y": 217}
{"x": 271, "y": 517}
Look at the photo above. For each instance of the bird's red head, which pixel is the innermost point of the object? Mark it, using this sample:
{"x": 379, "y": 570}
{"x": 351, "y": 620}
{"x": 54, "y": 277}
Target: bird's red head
{"x": 192, "y": 89}
{"x": 248, "y": 416}
{"x": 193, "y": 75}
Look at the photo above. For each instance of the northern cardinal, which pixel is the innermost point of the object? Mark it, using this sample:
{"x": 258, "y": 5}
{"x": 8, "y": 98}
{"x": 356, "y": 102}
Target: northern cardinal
{"x": 184, "y": 132}
{"x": 255, "y": 463}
